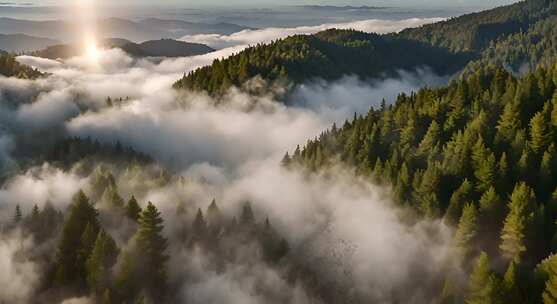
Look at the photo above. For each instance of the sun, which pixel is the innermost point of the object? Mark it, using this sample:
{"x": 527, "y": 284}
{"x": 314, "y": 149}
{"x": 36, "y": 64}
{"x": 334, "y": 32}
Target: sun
{"x": 88, "y": 31}
{"x": 92, "y": 52}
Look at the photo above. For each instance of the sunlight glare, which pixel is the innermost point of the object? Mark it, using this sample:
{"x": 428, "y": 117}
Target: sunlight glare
{"x": 88, "y": 31}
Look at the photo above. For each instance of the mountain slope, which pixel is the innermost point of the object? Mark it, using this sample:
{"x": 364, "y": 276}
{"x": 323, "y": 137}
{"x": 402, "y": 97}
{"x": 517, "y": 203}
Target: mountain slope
{"x": 490, "y": 37}
{"x": 149, "y": 29}
{"x": 474, "y": 32}
{"x": 181, "y": 28}
{"x": 327, "y": 55}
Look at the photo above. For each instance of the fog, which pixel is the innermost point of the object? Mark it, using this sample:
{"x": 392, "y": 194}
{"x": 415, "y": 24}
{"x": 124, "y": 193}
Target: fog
{"x": 341, "y": 226}
{"x": 251, "y": 37}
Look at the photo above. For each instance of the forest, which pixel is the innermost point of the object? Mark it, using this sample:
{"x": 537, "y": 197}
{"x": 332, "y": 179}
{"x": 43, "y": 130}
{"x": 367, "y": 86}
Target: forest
{"x": 478, "y": 154}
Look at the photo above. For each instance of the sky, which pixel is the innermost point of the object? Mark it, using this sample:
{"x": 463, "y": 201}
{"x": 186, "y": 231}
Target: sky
{"x": 259, "y": 3}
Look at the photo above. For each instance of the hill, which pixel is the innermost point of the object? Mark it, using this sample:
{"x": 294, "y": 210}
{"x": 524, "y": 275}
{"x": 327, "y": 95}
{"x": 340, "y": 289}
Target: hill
{"x": 475, "y": 32}
{"x": 181, "y": 28}
{"x": 9, "y": 67}
{"x": 136, "y": 31}
{"x": 154, "y": 48}
{"x": 514, "y": 36}
{"x": 19, "y": 43}
{"x": 327, "y": 55}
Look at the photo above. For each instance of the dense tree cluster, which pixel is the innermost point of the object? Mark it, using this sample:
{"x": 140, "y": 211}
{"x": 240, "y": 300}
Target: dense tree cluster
{"x": 474, "y": 32}
{"x": 326, "y": 55}
{"x": 9, "y": 67}
{"x": 521, "y": 52}
{"x": 114, "y": 251}
{"x": 479, "y": 153}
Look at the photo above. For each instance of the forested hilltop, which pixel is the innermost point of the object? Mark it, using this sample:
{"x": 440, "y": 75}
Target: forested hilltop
{"x": 9, "y": 67}
{"x": 327, "y": 55}
{"x": 480, "y": 154}
{"x": 518, "y": 35}
{"x": 474, "y": 32}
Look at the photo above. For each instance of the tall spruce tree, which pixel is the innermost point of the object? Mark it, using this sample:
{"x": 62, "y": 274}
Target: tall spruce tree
{"x": 482, "y": 284}
{"x": 68, "y": 264}
{"x": 152, "y": 245}
{"x": 521, "y": 212}
{"x": 100, "y": 262}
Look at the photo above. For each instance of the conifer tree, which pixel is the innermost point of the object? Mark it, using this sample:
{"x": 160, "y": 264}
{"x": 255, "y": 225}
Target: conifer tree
{"x": 521, "y": 208}
{"x": 540, "y": 133}
{"x": 133, "y": 210}
{"x": 247, "y": 217}
{"x": 482, "y": 284}
{"x": 550, "y": 293}
{"x": 459, "y": 197}
{"x": 67, "y": 265}
{"x": 100, "y": 262}
{"x": 467, "y": 230}
{"x": 510, "y": 284}
{"x": 214, "y": 215}
{"x": 199, "y": 225}
{"x": 17, "y": 214}
{"x": 430, "y": 139}
{"x": 152, "y": 246}
{"x": 508, "y": 124}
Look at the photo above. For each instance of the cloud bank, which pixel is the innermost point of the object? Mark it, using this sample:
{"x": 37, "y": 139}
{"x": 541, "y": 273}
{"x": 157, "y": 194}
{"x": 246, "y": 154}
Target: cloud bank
{"x": 266, "y": 35}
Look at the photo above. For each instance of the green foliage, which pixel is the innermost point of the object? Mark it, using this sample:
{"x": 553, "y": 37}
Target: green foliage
{"x": 499, "y": 138}
{"x": 483, "y": 285}
{"x": 74, "y": 245}
{"x": 133, "y": 210}
{"x": 327, "y": 55}
{"x": 521, "y": 207}
{"x": 9, "y": 67}
{"x": 467, "y": 231}
{"x": 99, "y": 264}
{"x": 474, "y": 32}
{"x": 152, "y": 246}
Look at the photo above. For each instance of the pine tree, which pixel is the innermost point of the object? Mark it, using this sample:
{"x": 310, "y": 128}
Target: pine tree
{"x": 247, "y": 218}
{"x": 199, "y": 226}
{"x": 550, "y": 293}
{"x": 467, "y": 230}
{"x": 508, "y": 124}
{"x": 510, "y": 284}
{"x": 100, "y": 262}
{"x": 482, "y": 284}
{"x": 459, "y": 197}
{"x": 17, "y": 215}
{"x": 540, "y": 133}
{"x": 521, "y": 208}
{"x": 67, "y": 265}
{"x": 111, "y": 198}
{"x": 214, "y": 216}
{"x": 133, "y": 210}
{"x": 430, "y": 139}
{"x": 152, "y": 246}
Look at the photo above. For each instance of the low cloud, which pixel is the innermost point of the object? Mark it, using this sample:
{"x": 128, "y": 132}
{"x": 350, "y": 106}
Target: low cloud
{"x": 19, "y": 276}
{"x": 252, "y": 37}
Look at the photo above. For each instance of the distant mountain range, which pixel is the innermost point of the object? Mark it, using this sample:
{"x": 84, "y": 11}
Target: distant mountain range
{"x": 18, "y": 43}
{"x": 151, "y": 48}
{"x": 136, "y": 31}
